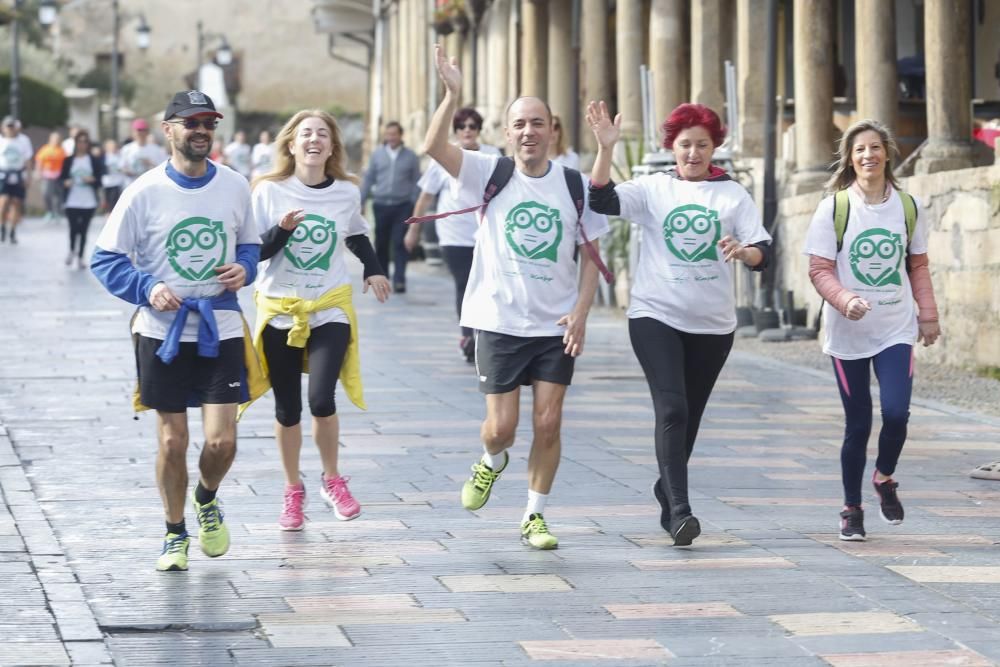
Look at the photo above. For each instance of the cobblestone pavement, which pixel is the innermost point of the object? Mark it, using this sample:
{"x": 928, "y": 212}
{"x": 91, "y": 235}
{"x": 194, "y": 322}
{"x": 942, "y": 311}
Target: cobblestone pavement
{"x": 416, "y": 579}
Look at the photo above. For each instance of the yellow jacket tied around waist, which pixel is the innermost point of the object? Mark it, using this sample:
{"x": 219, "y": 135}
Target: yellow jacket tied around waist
{"x": 299, "y": 310}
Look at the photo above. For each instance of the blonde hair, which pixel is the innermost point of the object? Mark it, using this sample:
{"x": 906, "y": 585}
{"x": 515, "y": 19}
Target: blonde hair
{"x": 844, "y": 174}
{"x": 560, "y": 146}
{"x": 284, "y": 161}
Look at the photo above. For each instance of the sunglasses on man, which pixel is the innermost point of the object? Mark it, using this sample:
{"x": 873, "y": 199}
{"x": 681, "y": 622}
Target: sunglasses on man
{"x": 193, "y": 123}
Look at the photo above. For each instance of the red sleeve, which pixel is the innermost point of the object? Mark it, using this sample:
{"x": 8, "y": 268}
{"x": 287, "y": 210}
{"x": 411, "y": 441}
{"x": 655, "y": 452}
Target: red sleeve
{"x": 823, "y": 274}
{"x": 923, "y": 289}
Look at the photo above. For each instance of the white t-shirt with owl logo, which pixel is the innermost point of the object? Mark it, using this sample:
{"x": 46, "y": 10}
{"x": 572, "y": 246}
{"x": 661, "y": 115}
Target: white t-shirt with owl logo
{"x": 682, "y": 278}
{"x": 872, "y": 264}
{"x": 180, "y": 236}
{"x": 312, "y": 262}
{"x": 524, "y": 276}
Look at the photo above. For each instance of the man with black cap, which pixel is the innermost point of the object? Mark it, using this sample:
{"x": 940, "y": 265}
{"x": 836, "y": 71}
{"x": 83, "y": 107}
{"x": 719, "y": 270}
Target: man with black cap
{"x": 189, "y": 228}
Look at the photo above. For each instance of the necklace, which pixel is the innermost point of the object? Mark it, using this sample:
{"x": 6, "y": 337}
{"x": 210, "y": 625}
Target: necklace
{"x": 864, "y": 196}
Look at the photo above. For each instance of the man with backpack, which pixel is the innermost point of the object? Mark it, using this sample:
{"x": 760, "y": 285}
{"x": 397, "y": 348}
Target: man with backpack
{"x": 522, "y": 299}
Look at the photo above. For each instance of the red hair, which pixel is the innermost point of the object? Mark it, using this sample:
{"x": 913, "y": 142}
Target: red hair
{"x": 692, "y": 115}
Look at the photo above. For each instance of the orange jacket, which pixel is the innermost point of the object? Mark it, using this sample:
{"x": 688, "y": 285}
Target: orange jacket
{"x": 49, "y": 159}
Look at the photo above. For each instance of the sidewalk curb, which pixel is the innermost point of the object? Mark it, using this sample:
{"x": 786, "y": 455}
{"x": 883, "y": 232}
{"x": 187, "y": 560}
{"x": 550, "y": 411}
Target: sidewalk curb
{"x": 74, "y": 619}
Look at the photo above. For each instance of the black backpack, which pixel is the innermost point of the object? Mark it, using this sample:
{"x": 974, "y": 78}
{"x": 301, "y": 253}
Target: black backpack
{"x": 502, "y": 173}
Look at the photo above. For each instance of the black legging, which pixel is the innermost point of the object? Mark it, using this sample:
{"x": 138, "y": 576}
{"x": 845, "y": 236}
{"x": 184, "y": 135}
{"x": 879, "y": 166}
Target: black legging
{"x": 327, "y": 346}
{"x": 681, "y": 369}
{"x": 79, "y": 223}
{"x": 459, "y": 261}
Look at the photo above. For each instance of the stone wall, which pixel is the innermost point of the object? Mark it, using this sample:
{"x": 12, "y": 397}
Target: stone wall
{"x": 964, "y": 246}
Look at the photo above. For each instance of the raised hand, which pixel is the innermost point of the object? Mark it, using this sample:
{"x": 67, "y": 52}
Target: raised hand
{"x": 606, "y": 131}
{"x": 447, "y": 70}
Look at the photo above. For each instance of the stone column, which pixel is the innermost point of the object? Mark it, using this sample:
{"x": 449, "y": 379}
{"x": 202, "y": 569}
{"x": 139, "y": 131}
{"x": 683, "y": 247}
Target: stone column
{"x": 875, "y": 58}
{"x": 404, "y": 34}
{"x": 534, "y": 31}
{"x": 561, "y": 74}
{"x": 594, "y": 74}
{"x": 667, "y": 56}
{"x": 498, "y": 34}
{"x": 422, "y": 69}
{"x": 468, "y": 84}
{"x": 751, "y": 70}
{"x": 949, "y": 118}
{"x": 707, "y": 80}
{"x": 814, "y": 148}
{"x": 391, "y": 67}
{"x": 628, "y": 49}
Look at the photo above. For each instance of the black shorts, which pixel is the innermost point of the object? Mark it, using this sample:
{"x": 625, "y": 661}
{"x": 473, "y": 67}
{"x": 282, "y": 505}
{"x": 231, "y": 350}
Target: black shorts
{"x": 189, "y": 380}
{"x": 12, "y": 184}
{"x": 505, "y": 362}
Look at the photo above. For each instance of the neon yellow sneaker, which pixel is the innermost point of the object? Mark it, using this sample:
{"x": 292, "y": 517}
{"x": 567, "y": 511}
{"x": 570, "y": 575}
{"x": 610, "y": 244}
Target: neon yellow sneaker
{"x": 174, "y": 557}
{"x": 213, "y": 535}
{"x": 535, "y": 533}
{"x": 476, "y": 490}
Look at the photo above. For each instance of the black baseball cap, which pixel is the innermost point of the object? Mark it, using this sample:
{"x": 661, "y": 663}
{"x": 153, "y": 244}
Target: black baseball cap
{"x": 189, "y": 103}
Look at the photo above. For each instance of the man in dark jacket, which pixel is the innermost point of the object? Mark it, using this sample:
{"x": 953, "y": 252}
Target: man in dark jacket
{"x": 391, "y": 181}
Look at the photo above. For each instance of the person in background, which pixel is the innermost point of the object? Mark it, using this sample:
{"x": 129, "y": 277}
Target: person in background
{"x": 15, "y": 159}
{"x": 559, "y": 152}
{"x": 49, "y": 162}
{"x": 391, "y": 181}
{"x": 262, "y": 156}
{"x": 142, "y": 153}
{"x": 237, "y": 154}
{"x": 216, "y": 153}
{"x": 81, "y": 178}
{"x": 113, "y": 180}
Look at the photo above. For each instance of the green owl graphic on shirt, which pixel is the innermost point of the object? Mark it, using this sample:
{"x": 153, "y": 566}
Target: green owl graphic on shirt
{"x": 312, "y": 243}
{"x": 196, "y": 246}
{"x": 876, "y": 257}
{"x": 534, "y": 231}
{"x": 692, "y": 232}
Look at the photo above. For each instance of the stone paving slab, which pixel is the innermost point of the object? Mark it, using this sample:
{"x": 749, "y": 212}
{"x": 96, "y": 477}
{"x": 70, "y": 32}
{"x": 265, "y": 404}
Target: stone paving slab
{"x": 416, "y": 579}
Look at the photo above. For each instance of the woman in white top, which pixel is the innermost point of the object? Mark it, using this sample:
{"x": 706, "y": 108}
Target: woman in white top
{"x": 81, "y": 176}
{"x": 262, "y": 156}
{"x": 879, "y": 301}
{"x": 559, "y": 152}
{"x": 457, "y": 233}
{"x": 308, "y": 208}
{"x": 696, "y": 223}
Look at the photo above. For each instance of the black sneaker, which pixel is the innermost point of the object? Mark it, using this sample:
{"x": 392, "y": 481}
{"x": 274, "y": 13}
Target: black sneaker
{"x": 399, "y": 288}
{"x": 852, "y": 524}
{"x": 684, "y": 530}
{"x": 890, "y": 509}
{"x": 664, "y": 502}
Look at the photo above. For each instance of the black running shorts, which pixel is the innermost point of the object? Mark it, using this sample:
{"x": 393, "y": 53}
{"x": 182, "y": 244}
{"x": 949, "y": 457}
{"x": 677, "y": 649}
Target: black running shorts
{"x": 168, "y": 387}
{"x": 505, "y": 362}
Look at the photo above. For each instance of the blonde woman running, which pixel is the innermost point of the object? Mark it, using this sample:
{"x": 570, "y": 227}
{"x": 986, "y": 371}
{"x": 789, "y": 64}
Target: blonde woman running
{"x": 307, "y": 210}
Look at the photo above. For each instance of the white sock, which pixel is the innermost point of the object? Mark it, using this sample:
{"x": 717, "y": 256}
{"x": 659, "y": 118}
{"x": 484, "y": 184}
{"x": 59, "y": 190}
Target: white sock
{"x": 494, "y": 461}
{"x": 536, "y": 504}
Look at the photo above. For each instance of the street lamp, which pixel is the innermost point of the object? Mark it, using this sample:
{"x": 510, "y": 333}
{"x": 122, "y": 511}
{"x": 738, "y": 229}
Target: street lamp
{"x": 47, "y": 12}
{"x": 223, "y": 55}
{"x": 15, "y": 63}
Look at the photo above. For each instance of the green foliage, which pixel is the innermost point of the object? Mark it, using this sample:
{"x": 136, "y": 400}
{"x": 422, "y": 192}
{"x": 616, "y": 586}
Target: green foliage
{"x": 41, "y": 105}
{"x": 990, "y": 372}
{"x": 100, "y": 78}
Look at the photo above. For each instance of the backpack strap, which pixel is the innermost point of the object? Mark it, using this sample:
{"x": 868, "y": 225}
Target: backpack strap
{"x": 502, "y": 173}
{"x": 841, "y": 214}
{"x": 574, "y": 182}
{"x": 910, "y": 215}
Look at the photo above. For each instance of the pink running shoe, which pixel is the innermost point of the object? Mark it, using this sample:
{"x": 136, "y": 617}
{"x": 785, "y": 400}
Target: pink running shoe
{"x": 292, "y": 517}
{"x": 335, "y": 492}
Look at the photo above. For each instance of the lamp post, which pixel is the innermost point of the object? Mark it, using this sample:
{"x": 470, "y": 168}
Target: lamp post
{"x": 48, "y": 10}
{"x": 15, "y": 63}
{"x": 223, "y": 55}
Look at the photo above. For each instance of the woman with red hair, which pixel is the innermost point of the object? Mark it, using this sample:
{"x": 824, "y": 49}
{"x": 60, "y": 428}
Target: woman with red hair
{"x": 697, "y": 221}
